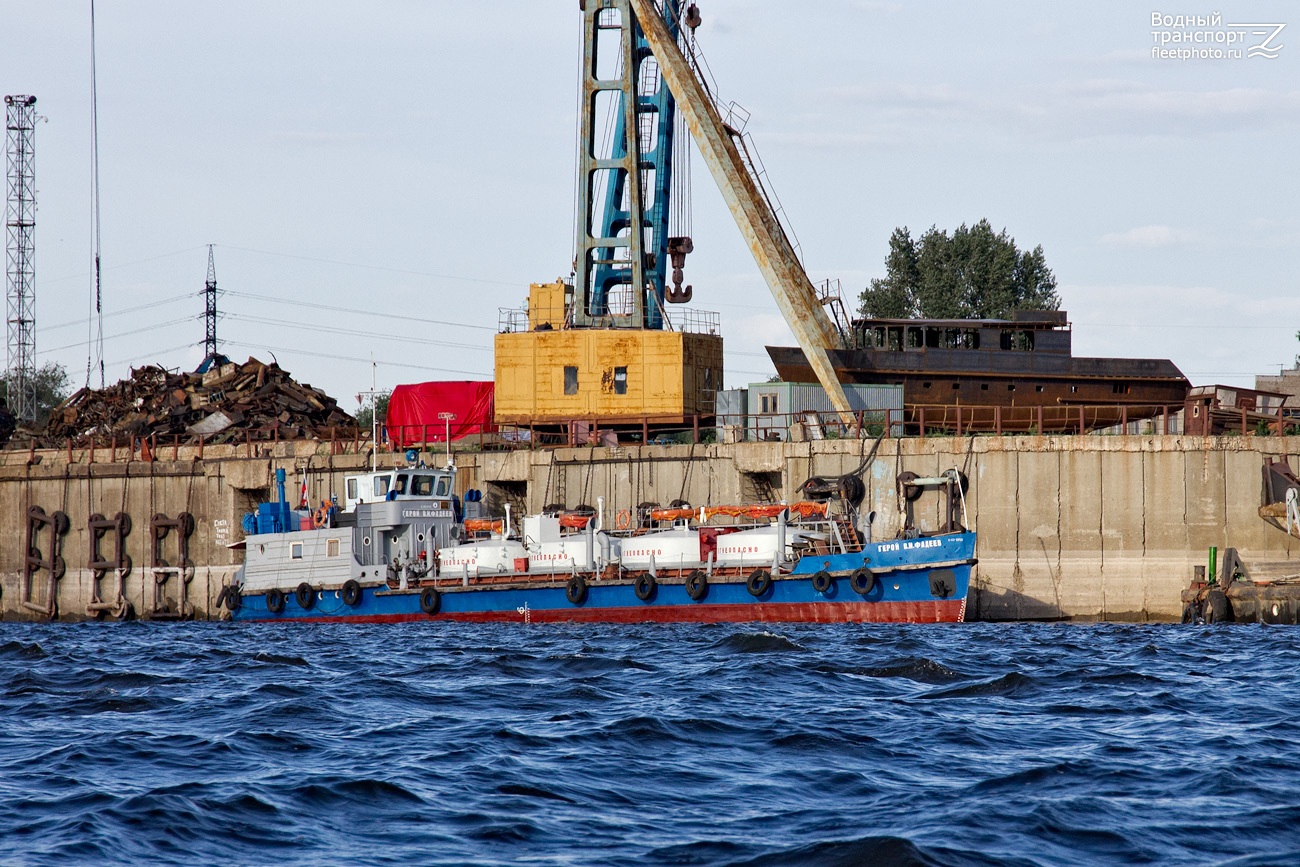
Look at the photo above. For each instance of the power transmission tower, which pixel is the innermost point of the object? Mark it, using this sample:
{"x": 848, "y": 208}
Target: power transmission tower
{"x": 211, "y": 355}
{"x": 20, "y": 222}
{"x": 210, "y": 311}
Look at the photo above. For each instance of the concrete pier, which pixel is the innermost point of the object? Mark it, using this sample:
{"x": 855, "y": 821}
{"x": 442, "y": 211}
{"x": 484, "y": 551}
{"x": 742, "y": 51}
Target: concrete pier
{"x": 1071, "y": 528}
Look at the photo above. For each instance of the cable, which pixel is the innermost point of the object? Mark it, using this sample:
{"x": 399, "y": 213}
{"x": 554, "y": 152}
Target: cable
{"x": 338, "y": 357}
{"x": 100, "y": 338}
{"x": 123, "y": 265}
{"x": 364, "y": 265}
{"x": 326, "y": 329}
{"x": 298, "y": 303}
{"x": 148, "y": 306}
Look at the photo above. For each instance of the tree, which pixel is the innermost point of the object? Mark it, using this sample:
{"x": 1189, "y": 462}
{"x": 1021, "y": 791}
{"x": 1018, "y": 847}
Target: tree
{"x": 972, "y": 274}
{"x": 366, "y": 415}
{"x": 51, "y": 383}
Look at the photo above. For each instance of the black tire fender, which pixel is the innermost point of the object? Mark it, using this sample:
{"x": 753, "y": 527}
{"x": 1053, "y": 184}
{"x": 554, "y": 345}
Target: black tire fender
{"x": 644, "y": 586}
{"x": 758, "y": 583}
{"x": 863, "y": 581}
{"x": 430, "y": 600}
{"x": 351, "y": 593}
{"x": 275, "y": 600}
{"x": 909, "y": 491}
{"x": 576, "y": 591}
{"x": 697, "y": 585}
{"x": 822, "y": 581}
{"x": 1217, "y": 607}
{"x": 305, "y": 596}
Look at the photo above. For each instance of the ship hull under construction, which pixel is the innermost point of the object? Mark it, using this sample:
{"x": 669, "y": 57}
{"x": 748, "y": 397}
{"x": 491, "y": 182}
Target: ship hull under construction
{"x": 996, "y": 375}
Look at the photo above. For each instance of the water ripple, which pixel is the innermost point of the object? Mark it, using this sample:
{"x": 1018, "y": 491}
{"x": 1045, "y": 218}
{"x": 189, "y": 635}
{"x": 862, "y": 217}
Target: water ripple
{"x": 722, "y": 745}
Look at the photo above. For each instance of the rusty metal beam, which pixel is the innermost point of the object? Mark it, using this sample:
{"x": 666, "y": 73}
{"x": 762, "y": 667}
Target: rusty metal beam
{"x": 771, "y": 249}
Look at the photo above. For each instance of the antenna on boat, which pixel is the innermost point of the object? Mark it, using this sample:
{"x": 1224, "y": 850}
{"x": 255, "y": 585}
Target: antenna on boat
{"x": 95, "y": 354}
{"x": 448, "y": 417}
{"x": 374, "y": 415}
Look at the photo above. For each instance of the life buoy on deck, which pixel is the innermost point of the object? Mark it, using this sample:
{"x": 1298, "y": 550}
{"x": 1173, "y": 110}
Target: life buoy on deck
{"x": 351, "y": 593}
{"x": 320, "y": 519}
{"x": 623, "y": 519}
{"x": 275, "y": 600}
{"x": 759, "y": 582}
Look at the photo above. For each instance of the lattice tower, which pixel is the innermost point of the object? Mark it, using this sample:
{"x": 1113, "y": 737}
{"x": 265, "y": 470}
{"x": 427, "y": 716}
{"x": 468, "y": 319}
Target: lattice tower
{"x": 20, "y": 223}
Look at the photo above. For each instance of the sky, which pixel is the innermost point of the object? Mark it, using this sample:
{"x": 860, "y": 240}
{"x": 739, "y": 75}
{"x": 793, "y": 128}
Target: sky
{"x": 378, "y": 180}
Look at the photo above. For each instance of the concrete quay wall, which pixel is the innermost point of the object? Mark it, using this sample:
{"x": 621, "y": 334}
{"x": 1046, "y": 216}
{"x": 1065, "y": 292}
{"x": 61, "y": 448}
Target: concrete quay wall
{"x": 1075, "y": 528}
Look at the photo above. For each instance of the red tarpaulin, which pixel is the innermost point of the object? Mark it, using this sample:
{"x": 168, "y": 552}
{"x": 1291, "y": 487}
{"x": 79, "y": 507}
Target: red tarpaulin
{"x": 414, "y": 412}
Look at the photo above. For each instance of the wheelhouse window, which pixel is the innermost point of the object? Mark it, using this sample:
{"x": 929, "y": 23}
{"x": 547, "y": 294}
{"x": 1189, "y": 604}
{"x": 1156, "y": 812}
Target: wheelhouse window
{"x": 352, "y": 489}
{"x": 381, "y": 486}
{"x": 444, "y": 486}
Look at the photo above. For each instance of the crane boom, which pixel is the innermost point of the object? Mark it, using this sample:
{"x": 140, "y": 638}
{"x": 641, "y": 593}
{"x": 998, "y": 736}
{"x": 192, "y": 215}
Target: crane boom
{"x": 772, "y": 251}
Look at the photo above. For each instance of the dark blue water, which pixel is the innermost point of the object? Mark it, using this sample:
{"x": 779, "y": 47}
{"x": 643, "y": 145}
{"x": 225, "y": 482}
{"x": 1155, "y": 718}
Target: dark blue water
{"x": 820, "y": 745}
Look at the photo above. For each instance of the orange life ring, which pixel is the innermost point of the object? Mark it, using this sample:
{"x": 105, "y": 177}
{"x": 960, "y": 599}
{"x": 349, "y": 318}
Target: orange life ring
{"x": 623, "y": 520}
{"x": 321, "y": 518}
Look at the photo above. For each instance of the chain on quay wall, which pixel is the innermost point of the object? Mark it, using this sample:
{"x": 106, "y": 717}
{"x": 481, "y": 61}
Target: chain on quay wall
{"x": 1070, "y": 527}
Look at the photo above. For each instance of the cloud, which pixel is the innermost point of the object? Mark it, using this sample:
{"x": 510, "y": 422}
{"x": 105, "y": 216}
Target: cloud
{"x": 1062, "y": 109}
{"x": 1152, "y": 236}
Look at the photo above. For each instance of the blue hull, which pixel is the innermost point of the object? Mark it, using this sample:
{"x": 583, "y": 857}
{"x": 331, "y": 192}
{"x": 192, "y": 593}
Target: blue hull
{"x": 917, "y": 580}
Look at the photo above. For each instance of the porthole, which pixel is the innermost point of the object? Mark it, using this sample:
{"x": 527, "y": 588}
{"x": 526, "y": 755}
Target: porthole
{"x": 261, "y": 549}
{"x": 419, "y": 537}
{"x": 365, "y": 541}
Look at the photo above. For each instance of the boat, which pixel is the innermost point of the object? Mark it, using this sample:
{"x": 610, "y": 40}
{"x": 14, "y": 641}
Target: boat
{"x": 1016, "y": 374}
{"x": 400, "y": 546}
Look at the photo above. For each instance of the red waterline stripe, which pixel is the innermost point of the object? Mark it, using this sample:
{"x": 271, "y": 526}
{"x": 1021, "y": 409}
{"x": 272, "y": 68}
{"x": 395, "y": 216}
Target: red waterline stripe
{"x": 933, "y": 611}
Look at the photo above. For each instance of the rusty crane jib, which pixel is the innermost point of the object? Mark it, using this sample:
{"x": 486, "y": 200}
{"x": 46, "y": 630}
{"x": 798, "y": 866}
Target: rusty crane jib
{"x": 750, "y": 208}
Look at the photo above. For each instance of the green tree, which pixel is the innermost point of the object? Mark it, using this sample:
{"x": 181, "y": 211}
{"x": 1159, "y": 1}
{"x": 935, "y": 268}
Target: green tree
{"x": 974, "y": 273}
{"x": 51, "y": 381}
{"x": 373, "y": 402}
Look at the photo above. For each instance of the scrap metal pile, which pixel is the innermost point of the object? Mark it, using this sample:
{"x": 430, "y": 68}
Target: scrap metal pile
{"x": 229, "y": 403}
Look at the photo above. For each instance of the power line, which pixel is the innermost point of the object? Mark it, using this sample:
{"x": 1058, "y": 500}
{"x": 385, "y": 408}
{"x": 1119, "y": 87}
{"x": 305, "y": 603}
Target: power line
{"x": 337, "y": 357}
{"x": 371, "y": 267}
{"x": 121, "y": 265}
{"x": 354, "y": 311}
{"x": 100, "y": 338}
{"x": 327, "y": 329}
{"x": 123, "y": 312}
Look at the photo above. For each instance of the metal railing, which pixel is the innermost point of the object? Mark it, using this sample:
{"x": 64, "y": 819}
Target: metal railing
{"x": 917, "y": 421}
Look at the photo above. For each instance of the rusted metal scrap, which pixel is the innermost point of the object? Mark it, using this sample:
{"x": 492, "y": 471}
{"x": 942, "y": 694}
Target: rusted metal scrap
{"x": 230, "y": 403}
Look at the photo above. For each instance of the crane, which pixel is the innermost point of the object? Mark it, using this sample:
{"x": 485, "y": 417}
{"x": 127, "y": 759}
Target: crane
{"x": 754, "y": 216}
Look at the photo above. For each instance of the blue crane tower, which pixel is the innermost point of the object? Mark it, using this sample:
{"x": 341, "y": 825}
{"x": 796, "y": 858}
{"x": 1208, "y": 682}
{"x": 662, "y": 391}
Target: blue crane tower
{"x": 625, "y": 182}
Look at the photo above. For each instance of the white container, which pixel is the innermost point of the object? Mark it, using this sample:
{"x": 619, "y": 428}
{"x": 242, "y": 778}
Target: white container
{"x": 488, "y": 557}
{"x": 678, "y": 548}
